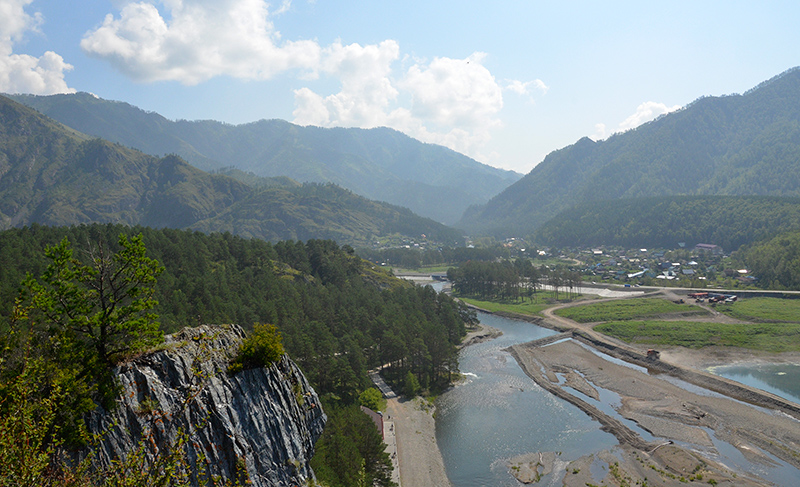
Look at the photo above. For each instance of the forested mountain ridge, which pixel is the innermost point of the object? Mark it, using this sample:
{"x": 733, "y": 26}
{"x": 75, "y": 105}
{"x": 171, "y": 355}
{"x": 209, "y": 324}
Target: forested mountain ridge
{"x": 664, "y": 221}
{"x": 379, "y": 163}
{"x": 52, "y": 175}
{"x": 322, "y": 212}
{"x": 745, "y": 144}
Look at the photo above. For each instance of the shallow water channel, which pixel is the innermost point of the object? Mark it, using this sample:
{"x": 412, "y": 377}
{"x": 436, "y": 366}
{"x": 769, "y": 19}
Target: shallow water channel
{"x": 780, "y": 379}
{"x": 499, "y": 413}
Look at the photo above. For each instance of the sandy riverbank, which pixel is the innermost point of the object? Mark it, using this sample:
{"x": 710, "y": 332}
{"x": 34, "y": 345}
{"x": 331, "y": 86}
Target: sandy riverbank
{"x": 480, "y": 334}
{"x": 670, "y": 412}
{"x": 418, "y": 454}
{"x": 421, "y": 463}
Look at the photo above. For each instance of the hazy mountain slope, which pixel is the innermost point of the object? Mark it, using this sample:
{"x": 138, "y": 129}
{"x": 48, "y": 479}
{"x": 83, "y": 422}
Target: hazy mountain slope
{"x": 323, "y": 211}
{"x": 50, "y": 174}
{"x": 664, "y": 221}
{"x": 732, "y": 145}
{"x": 370, "y": 162}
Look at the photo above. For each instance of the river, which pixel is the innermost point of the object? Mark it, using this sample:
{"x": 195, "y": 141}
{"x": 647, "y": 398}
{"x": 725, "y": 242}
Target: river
{"x": 498, "y": 413}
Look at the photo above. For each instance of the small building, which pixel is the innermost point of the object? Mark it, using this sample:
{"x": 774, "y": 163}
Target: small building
{"x": 714, "y": 249}
{"x": 376, "y": 418}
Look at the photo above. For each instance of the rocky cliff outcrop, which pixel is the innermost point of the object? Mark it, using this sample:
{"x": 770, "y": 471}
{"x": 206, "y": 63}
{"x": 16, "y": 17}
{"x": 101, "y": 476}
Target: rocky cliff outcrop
{"x": 263, "y": 421}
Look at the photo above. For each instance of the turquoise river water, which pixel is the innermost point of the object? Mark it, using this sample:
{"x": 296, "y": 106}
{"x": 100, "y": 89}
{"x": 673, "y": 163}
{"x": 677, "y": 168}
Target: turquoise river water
{"x": 499, "y": 413}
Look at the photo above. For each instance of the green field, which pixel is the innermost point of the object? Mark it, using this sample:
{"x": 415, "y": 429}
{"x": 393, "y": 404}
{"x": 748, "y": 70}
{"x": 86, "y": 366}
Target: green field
{"x": 627, "y": 309}
{"x": 526, "y": 308}
{"x": 770, "y": 337}
{"x": 763, "y": 309}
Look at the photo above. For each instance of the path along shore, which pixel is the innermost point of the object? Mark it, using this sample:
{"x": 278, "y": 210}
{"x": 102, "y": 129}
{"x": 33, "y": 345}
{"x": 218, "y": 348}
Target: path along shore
{"x": 410, "y": 437}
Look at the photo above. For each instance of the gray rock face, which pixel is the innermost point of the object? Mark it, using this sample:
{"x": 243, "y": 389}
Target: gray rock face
{"x": 264, "y": 421}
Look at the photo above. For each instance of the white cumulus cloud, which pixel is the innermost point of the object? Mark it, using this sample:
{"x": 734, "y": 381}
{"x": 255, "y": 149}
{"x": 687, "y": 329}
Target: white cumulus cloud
{"x": 600, "y": 132}
{"x": 646, "y": 112}
{"x": 454, "y": 102}
{"x": 195, "y": 40}
{"x": 524, "y": 87}
{"x": 366, "y": 88}
{"x": 23, "y": 73}
{"x": 454, "y": 92}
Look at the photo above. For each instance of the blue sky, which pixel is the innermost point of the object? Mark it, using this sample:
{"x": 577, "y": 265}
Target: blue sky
{"x": 504, "y": 82}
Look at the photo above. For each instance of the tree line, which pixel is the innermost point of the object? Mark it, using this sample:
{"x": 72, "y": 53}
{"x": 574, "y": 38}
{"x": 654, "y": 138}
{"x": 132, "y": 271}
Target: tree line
{"x": 775, "y": 262}
{"x": 338, "y": 315}
{"x": 507, "y": 280}
{"x": 727, "y": 221}
{"x": 412, "y": 258}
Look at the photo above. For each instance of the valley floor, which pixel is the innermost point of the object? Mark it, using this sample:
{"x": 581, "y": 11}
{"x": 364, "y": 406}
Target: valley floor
{"x": 684, "y": 423}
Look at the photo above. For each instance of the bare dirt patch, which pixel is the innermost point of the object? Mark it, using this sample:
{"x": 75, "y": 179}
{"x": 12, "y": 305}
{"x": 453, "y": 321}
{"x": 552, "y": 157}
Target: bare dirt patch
{"x": 667, "y": 411}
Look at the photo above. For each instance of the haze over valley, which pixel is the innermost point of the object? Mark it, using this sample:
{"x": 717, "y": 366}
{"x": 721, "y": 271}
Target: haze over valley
{"x": 338, "y": 244}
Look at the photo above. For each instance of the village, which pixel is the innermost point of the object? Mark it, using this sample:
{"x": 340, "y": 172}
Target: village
{"x": 700, "y": 266}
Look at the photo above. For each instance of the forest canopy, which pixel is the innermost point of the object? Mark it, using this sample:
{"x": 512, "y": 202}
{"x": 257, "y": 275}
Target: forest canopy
{"x": 727, "y": 221}
{"x": 776, "y": 262}
{"x": 338, "y": 314}
{"x": 335, "y": 314}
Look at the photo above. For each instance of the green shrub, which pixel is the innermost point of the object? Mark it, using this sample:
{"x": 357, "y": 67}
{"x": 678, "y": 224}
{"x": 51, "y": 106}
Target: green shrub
{"x": 411, "y": 385}
{"x": 261, "y": 349}
{"x": 373, "y": 399}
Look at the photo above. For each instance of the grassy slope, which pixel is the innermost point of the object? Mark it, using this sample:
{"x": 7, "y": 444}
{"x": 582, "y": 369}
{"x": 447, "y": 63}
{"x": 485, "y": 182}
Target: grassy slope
{"x": 627, "y": 321}
{"x": 763, "y": 309}
{"x": 774, "y": 323}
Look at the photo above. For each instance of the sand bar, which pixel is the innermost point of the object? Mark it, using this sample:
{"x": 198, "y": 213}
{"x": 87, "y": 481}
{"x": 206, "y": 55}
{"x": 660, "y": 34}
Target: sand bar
{"x": 667, "y": 411}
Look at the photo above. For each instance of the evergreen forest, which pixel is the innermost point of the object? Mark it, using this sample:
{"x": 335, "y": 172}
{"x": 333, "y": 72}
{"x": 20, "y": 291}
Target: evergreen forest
{"x": 775, "y": 261}
{"x": 338, "y": 315}
{"x": 664, "y": 222}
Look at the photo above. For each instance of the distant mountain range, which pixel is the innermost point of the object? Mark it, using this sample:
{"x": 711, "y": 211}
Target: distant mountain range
{"x": 745, "y": 144}
{"x": 380, "y": 163}
{"x": 53, "y": 175}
